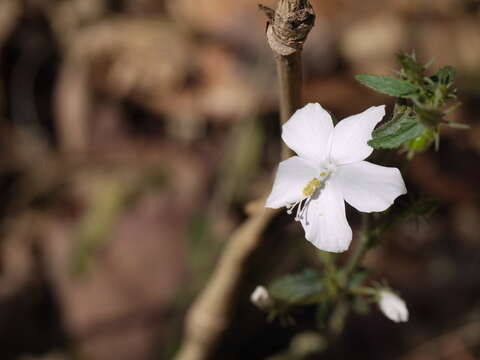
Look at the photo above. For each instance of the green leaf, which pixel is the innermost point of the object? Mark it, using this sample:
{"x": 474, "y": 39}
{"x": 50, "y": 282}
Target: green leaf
{"x": 396, "y": 132}
{"x": 410, "y": 64}
{"x": 299, "y": 289}
{"x": 411, "y": 69}
{"x": 387, "y": 85}
{"x": 429, "y": 115}
{"x": 445, "y": 75}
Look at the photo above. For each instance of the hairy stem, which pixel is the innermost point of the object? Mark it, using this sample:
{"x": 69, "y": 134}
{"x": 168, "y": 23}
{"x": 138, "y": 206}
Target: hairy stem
{"x": 361, "y": 248}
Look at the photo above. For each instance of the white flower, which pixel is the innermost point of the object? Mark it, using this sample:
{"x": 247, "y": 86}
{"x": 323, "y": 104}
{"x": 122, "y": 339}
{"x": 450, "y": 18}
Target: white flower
{"x": 261, "y": 298}
{"x": 329, "y": 169}
{"x": 393, "y": 306}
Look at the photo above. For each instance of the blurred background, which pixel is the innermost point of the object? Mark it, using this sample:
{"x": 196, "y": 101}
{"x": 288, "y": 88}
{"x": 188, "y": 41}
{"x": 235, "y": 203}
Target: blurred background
{"x": 133, "y": 133}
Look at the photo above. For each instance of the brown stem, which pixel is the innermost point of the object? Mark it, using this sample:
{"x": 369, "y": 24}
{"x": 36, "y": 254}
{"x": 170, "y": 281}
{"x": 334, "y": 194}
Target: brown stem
{"x": 287, "y": 30}
{"x": 289, "y": 69}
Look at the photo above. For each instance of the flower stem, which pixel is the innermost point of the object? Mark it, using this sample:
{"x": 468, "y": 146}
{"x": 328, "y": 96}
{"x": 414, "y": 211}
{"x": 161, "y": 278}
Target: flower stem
{"x": 341, "y": 310}
{"x": 361, "y": 249}
{"x": 362, "y": 290}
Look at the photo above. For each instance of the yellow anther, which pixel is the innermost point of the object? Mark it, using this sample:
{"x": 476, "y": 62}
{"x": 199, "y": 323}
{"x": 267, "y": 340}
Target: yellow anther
{"x": 323, "y": 174}
{"x": 313, "y": 185}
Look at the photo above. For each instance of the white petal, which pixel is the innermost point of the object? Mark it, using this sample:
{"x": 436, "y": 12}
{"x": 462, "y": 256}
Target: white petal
{"x": 369, "y": 187}
{"x": 325, "y": 222}
{"x": 308, "y": 132}
{"x": 292, "y": 176}
{"x": 393, "y": 307}
{"x": 350, "y": 136}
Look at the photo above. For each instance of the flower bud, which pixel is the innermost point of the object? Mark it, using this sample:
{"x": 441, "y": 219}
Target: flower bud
{"x": 261, "y": 298}
{"x": 392, "y": 306}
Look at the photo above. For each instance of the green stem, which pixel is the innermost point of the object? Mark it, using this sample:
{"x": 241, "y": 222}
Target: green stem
{"x": 330, "y": 272}
{"x": 341, "y": 310}
{"x": 361, "y": 249}
{"x": 362, "y": 290}
{"x": 328, "y": 261}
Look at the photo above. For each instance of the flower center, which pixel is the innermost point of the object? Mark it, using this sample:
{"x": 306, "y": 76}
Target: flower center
{"x": 311, "y": 190}
{"x": 312, "y": 186}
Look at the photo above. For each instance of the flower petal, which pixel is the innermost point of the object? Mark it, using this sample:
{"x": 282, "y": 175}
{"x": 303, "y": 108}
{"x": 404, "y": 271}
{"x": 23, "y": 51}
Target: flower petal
{"x": 308, "y": 131}
{"x": 369, "y": 187}
{"x": 325, "y": 222}
{"x": 292, "y": 176}
{"x": 351, "y": 135}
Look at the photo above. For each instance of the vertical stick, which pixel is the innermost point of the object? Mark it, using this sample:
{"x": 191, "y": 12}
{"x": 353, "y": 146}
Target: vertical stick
{"x": 287, "y": 31}
{"x": 289, "y": 70}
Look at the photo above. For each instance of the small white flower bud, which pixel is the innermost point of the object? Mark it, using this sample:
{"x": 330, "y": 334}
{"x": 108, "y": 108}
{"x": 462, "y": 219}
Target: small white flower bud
{"x": 261, "y": 298}
{"x": 392, "y": 306}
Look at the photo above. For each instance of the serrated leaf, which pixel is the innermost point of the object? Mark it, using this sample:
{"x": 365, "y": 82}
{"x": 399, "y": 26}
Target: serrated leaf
{"x": 387, "y": 85}
{"x": 299, "y": 289}
{"x": 396, "y": 132}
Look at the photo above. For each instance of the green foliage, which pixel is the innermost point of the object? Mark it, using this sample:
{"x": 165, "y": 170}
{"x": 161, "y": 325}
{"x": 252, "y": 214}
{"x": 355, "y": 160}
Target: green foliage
{"x": 421, "y": 142}
{"x": 387, "y": 85}
{"x": 445, "y": 75}
{"x": 396, "y": 132}
{"x": 420, "y": 105}
{"x": 417, "y": 209}
{"x": 357, "y": 278}
{"x": 298, "y": 289}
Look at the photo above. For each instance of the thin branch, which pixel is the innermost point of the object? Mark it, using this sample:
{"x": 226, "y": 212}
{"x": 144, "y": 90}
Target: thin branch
{"x": 289, "y": 69}
{"x": 287, "y": 30}
{"x": 342, "y": 308}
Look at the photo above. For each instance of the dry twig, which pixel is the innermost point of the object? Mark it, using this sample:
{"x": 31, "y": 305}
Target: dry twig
{"x": 287, "y": 30}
